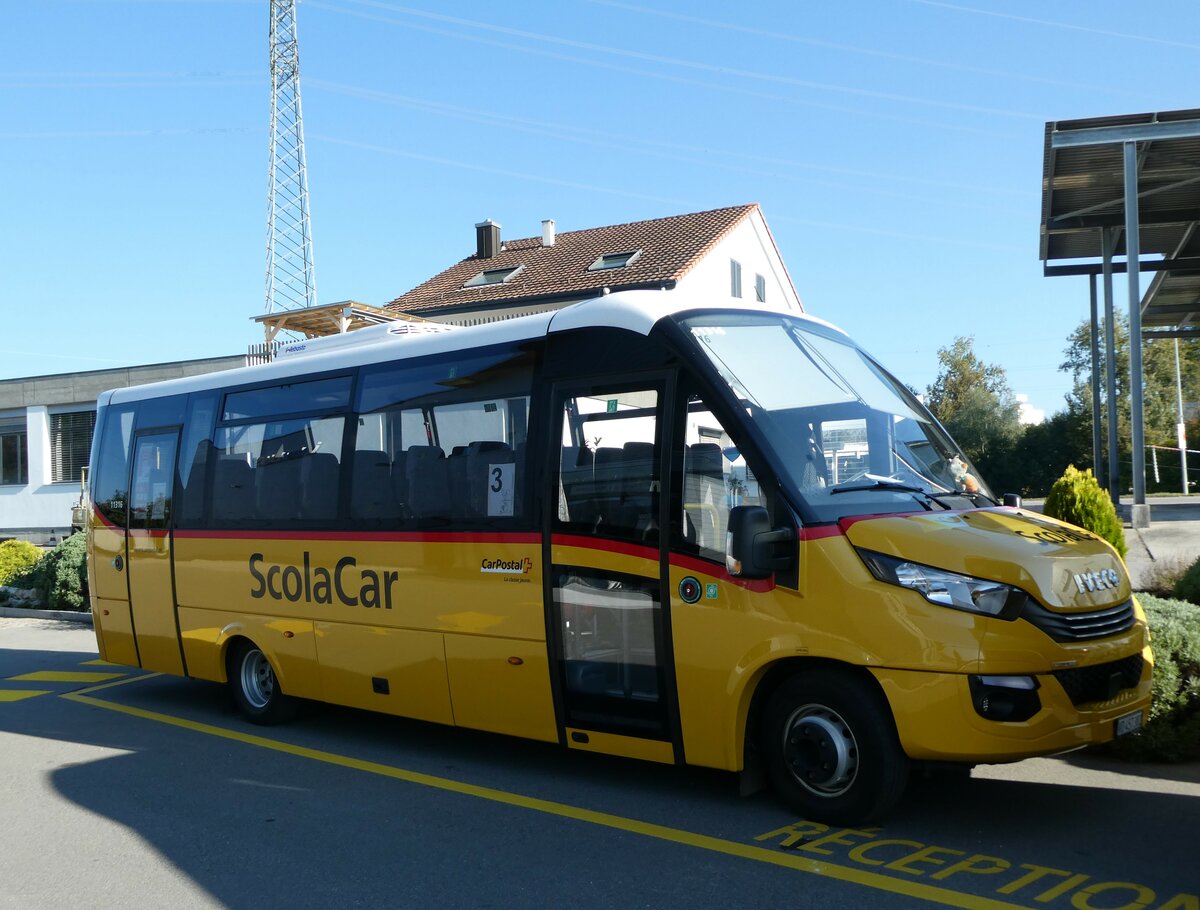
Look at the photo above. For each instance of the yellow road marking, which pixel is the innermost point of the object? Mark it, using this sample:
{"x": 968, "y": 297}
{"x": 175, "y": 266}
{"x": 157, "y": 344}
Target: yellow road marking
{"x": 81, "y": 676}
{"x": 98, "y": 663}
{"x": 646, "y": 829}
{"x": 20, "y": 694}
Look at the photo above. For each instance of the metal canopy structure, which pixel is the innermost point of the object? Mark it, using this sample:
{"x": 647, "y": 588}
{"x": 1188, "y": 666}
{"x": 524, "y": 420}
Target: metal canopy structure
{"x": 1129, "y": 186}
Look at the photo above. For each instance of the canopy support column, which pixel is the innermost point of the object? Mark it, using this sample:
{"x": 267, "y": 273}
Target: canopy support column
{"x": 1097, "y": 444}
{"x": 1140, "y": 514}
{"x": 1107, "y": 243}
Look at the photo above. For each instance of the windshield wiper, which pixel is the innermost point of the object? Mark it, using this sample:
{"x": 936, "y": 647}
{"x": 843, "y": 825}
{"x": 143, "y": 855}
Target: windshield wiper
{"x": 894, "y": 486}
{"x": 976, "y": 498}
{"x": 886, "y": 485}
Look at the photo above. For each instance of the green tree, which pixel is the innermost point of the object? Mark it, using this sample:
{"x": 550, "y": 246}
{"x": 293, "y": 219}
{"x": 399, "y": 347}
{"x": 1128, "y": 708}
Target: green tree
{"x": 1159, "y": 398}
{"x": 974, "y": 402}
{"x": 1038, "y": 457}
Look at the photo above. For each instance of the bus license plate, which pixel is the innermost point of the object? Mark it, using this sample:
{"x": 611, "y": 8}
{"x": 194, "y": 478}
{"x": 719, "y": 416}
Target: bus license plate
{"x": 1130, "y": 723}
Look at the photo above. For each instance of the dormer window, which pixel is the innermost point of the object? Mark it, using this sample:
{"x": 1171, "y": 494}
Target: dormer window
{"x": 614, "y": 261}
{"x": 494, "y": 276}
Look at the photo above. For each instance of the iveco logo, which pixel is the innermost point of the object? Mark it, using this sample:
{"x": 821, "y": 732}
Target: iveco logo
{"x": 1097, "y": 581}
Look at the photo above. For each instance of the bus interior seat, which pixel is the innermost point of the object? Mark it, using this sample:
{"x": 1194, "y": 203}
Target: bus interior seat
{"x": 428, "y": 487}
{"x": 639, "y": 500}
{"x": 233, "y": 488}
{"x": 456, "y": 476}
{"x": 277, "y": 488}
{"x": 371, "y": 495}
{"x": 399, "y": 485}
{"x": 318, "y": 491}
{"x": 704, "y": 493}
{"x": 480, "y": 457}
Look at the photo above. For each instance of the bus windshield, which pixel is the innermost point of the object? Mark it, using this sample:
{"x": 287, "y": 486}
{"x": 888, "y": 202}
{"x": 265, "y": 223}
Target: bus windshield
{"x": 849, "y": 437}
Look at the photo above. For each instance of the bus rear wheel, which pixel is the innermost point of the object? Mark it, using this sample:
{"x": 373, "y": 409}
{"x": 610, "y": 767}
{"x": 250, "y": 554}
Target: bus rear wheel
{"x": 255, "y": 687}
{"x": 831, "y": 748}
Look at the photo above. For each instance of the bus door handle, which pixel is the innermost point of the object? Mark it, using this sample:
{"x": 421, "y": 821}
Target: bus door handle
{"x": 118, "y": 563}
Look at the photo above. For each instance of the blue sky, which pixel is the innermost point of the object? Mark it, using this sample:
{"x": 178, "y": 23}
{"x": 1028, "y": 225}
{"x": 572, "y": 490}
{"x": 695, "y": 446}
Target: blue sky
{"x": 894, "y": 145}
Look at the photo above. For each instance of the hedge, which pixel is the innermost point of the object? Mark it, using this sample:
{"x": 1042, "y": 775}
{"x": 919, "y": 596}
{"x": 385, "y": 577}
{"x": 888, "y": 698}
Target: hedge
{"x": 16, "y": 558}
{"x": 60, "y": 576}
{"x": 1172, "y": 732}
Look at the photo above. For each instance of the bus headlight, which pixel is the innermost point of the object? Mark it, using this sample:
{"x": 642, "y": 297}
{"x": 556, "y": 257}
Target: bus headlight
{"x": 948, "y": 589}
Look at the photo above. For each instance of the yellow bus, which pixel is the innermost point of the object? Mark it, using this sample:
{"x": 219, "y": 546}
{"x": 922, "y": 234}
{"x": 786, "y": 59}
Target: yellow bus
{"x": 615, "y": 527}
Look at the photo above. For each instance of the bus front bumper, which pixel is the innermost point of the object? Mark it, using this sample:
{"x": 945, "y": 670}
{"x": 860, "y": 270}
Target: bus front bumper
{"x": 938, "y": 719}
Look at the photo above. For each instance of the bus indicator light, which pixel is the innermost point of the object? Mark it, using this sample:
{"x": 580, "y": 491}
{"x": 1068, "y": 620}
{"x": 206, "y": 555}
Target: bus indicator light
{"x": 689, "y": 590}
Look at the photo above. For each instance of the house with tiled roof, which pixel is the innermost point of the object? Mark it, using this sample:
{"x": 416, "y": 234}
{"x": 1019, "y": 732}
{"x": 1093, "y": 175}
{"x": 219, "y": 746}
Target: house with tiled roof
{"x": 729, "y": 252}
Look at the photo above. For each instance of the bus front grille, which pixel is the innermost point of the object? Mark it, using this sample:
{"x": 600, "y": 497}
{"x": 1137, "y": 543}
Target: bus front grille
{"x": 1080, "y": 626}
{"x": 1085, "y": 685}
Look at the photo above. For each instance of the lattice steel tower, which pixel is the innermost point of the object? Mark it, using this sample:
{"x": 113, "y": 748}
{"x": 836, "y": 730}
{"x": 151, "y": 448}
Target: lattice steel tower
{"x": 290, "y": 282}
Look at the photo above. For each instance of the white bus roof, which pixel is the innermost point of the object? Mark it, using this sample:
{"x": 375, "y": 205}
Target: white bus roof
{"x": 635, "y": 311}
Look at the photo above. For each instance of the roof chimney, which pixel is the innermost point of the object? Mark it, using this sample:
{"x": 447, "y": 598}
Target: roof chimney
{"x": 487, "y": 239}
{"x": 548, "y": 232}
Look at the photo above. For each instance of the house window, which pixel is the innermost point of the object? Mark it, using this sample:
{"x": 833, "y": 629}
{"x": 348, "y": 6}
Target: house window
{"x": 735, "y": 278}
{"x": 615, "y": 261}
{"x": 760, "y": 289}
{"x": 70, "y": 443}
{"x": 14, "y": 460}
{"x": 494, "y": 276}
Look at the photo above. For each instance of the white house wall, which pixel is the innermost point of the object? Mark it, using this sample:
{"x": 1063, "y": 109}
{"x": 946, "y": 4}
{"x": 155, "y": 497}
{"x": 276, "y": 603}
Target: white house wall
{"x": 750, "y": 244}
{"x": 39, "y": 510}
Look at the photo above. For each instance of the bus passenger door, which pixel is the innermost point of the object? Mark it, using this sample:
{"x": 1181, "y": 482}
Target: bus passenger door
{"x": 609, "y": 632}
{"x": 151, "y": 583}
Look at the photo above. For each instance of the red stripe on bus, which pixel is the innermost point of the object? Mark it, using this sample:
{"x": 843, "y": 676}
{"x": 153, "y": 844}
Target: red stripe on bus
{"x": 820, "y": 532}
{"x": 608, "y": 546}
{"x": 520, "y": 537}
{"x": 148, "y": 532}
{"x": 103, "y": 519}
{"x": 687, "y": 563}
{"x": 694, "y": 564}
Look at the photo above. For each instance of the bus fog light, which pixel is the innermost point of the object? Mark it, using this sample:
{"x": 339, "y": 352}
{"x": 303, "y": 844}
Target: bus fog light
{"x": 1005, "y": 698}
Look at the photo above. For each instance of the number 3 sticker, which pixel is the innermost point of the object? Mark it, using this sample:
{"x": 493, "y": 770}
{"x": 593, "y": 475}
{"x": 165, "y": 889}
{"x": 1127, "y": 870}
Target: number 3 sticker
{"x": 500, "y": 490}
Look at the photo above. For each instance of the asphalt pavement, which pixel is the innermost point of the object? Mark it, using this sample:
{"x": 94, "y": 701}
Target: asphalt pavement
{"x": 1172, "y": 540}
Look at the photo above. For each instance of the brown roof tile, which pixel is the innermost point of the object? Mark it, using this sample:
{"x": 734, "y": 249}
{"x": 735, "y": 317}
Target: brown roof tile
{"x": 670, "y": 248}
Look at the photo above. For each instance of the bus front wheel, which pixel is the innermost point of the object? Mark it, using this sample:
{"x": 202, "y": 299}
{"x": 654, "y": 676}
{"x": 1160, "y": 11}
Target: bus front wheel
{"x": 831, "y": 748}
{"x": 255, "y": 687}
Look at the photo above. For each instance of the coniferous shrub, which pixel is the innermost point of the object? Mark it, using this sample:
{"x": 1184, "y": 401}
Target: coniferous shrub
{"x": 1077, "y": 497}
{"x": 16, "y": 558}
{"x": 1188, "y": 586}
{"x": 65, "y": 586}
{"x": 1172, "y": 731}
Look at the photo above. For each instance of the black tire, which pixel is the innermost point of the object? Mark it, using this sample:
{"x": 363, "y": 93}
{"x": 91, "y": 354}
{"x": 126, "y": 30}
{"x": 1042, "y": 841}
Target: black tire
{"x": 255, "y": 687}
{"x": 831, "y": 748}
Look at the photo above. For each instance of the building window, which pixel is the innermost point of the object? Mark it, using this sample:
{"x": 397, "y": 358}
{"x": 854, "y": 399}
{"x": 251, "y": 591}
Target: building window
{"x": 615, "y": 261}
{"x": 735, "y": 278}
{"x": 14, "y": 460}
{"x": 494, "y": 276}
{"x": 760, "y": 289}
{"x": 70, "y": 443}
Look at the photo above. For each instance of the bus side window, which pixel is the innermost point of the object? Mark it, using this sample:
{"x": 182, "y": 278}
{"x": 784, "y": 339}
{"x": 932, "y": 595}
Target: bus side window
{"x": 715, "y": 479}
{"x": 278, "y": 471}
{"x": 608, "y": 465}
{"x": 195, "y": 456}
{"x": 110, "y": 476}
{"x": 447, "y": 433}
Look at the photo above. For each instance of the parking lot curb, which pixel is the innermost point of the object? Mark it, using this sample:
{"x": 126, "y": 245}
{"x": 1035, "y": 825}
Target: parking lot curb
{"x": 62, "y": 615}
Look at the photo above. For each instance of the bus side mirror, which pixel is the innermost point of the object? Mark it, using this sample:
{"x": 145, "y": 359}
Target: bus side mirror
{"x": 753, "y": 549}
{"x": 1012, "y": 500}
